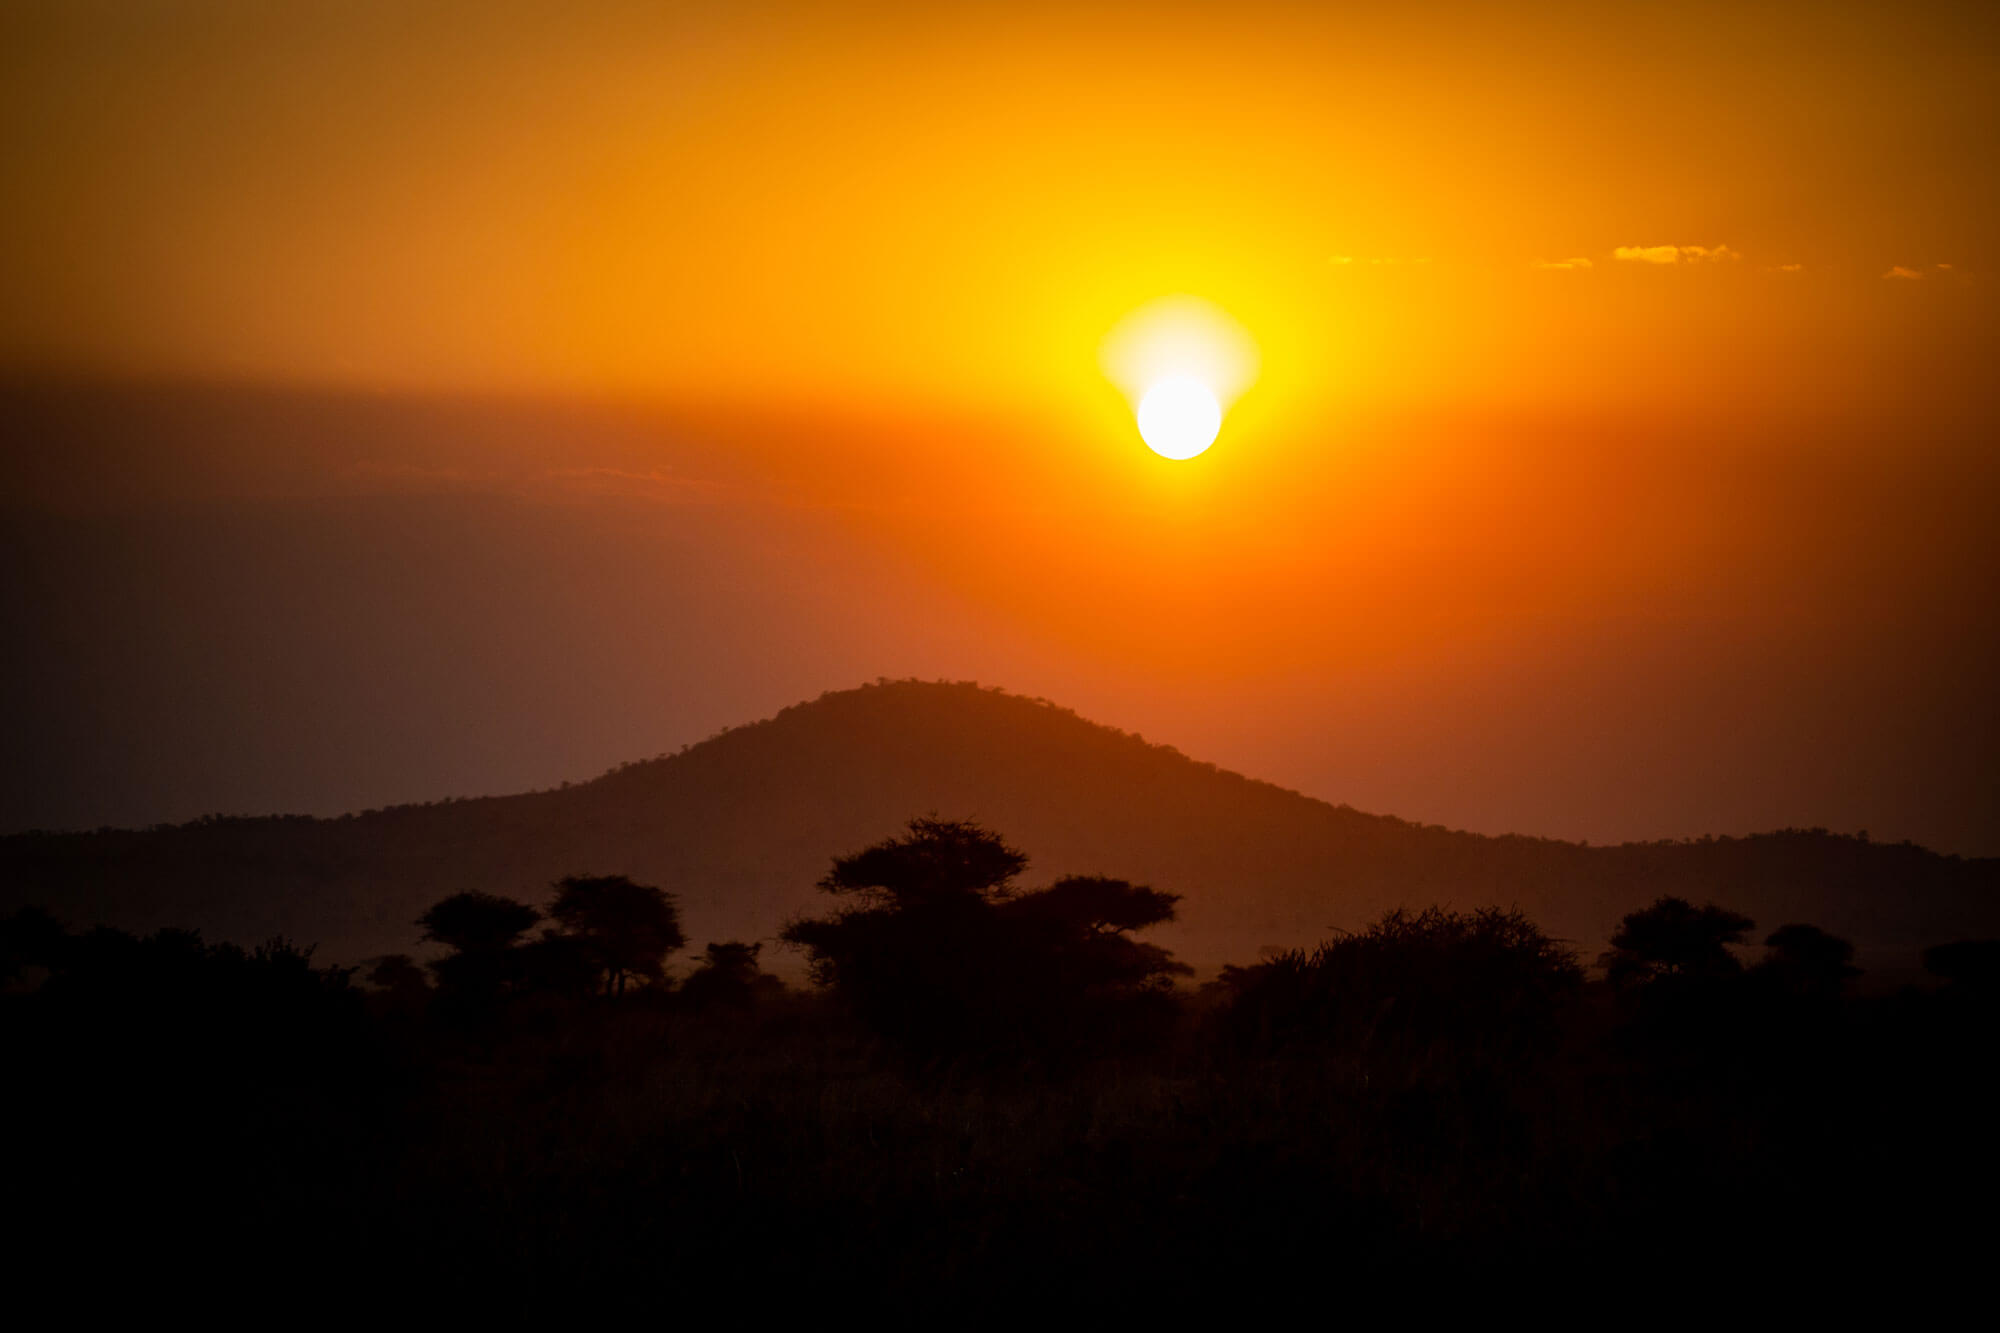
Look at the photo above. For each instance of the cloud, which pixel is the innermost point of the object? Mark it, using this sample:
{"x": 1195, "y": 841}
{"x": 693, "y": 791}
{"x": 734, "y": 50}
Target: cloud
{"x": 658, "y": 484}
{"x": 1907, "y": 274}
{"x": 653, "y": 484}
{"x": 1785, "y": 268}
{"x": 1564, "y": 265}
{"x": 1674, "y": 254}
{"x": 1354, "y": 259}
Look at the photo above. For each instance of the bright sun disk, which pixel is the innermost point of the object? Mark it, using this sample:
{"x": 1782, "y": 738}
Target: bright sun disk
{"x": 1179, "y": 417}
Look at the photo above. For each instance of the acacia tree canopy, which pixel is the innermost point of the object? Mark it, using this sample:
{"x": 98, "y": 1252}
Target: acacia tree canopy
{"x": 629, "y": 928}
{"x": 477, "y": 922}
{"x": 1674, "y": 938}
{"x": 938, "y": 861}
{"x": 1805, "y": 958}
{"x": 941, "y": 952}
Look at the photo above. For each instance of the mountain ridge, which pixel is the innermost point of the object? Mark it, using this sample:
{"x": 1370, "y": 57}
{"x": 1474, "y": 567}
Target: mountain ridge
{"x": 741, "y": 826}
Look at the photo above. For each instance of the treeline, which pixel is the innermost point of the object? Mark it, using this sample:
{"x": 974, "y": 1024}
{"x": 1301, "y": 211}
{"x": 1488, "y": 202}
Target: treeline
{"x": 935, "y": 948}
{"x": 988, "y": 1078}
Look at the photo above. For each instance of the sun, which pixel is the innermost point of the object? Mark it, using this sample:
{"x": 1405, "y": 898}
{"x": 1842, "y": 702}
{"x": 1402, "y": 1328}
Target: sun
{"x": 1179, "y": 417}
{"x": 1181, "y": 363}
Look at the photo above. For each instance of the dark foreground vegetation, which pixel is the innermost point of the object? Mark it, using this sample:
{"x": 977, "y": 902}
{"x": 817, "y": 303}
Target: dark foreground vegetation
{"x": 995, "y": 1095}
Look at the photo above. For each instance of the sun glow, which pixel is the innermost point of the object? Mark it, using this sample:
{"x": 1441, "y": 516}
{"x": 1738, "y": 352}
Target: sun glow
{"x": 1181, "y": 362}
{"x": 1179, "y": 417}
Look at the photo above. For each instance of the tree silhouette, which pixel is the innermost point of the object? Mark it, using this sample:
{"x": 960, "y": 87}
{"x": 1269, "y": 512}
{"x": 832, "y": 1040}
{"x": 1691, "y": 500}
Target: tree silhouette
{"x": 482, "y": 930}
{"x": 397, "y": 974}
{"x": 1967, "y": 967}
{"x": 942, "y": 953}
{"x": 561, "y": 964}
{"x": 1806, "y": 962}
{"x": 940, "y": 862}
{"x": 1081, "y": 927}
{"x": 629, "y": 928}
{"x": 729, "y": 975}
{"x": 1674, "y": 938}
{"x": 30, "y": 938}
{"x": 477, "y": 922}
{"x": 397, "y": 985}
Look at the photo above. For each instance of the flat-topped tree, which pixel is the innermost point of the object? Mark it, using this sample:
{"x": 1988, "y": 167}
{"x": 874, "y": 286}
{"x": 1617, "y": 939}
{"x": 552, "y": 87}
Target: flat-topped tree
{"x": 939, "y": 950}
{"x": 483, "y": 932}
{"x": 477, "y": 922}
{"x": 940, "y": 861}
{"x": 1674, "y": 938}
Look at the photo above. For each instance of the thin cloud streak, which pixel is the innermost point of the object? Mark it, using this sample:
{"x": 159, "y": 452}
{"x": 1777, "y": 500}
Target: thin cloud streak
{"x": 1674, "y": 254}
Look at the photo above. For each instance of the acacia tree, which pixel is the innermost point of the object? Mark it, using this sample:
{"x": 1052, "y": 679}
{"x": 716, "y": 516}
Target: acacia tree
{"x": 941, "y": 863}
{"x": 629, "y": 929}
{"x": 1807, "y": 962}
{"x": 1079, "y": 930}
{"x": 938, "y": 949}
{"x": 1675, "y": 939}
{"x": 477, "y": 922}
{"x": 483, "y": 931}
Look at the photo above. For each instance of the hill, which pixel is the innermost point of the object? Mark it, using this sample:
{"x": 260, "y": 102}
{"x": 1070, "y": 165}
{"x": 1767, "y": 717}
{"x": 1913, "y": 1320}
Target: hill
{"x": 742, "y": 826}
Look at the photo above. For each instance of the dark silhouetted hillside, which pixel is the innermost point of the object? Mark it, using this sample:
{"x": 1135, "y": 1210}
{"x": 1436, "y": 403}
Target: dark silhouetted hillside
{"x": 743, "y": 825}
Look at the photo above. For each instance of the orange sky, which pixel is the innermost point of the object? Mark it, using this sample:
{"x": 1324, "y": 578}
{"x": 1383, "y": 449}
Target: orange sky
{"x": 1632, "y": 356}
{"x": 952, "y": 204}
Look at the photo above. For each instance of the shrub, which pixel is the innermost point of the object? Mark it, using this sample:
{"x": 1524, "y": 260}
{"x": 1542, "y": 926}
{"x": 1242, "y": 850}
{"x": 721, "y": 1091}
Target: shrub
{"x": 1481, "y": 982}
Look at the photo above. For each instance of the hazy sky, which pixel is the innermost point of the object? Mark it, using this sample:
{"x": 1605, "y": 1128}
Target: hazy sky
{"x": 427, "y": 399}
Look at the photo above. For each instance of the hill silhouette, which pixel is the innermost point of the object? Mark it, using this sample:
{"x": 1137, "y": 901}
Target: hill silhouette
{"x": 742, "y": 825}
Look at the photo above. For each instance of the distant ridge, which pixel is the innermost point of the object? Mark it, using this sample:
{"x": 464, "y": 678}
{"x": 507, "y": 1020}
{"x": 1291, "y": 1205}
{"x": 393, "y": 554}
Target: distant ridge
{"x": 743, "y": 824}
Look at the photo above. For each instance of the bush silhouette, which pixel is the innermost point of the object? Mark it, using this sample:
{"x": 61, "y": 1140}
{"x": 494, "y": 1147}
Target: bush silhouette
{"x": 30, "y": 938}
{"x": 1486, "y": 982}
{"x": 560, "y": 964}
{"x": 396, "y": 973}
{"x": 183, "y": 1009}
{"x": 943, "y": 954}
{"x": 729, "y": 976}
{"x": 397, "y": 985}
{"x": 1805, "y": 962}
{"x": 1967, "y": 967}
